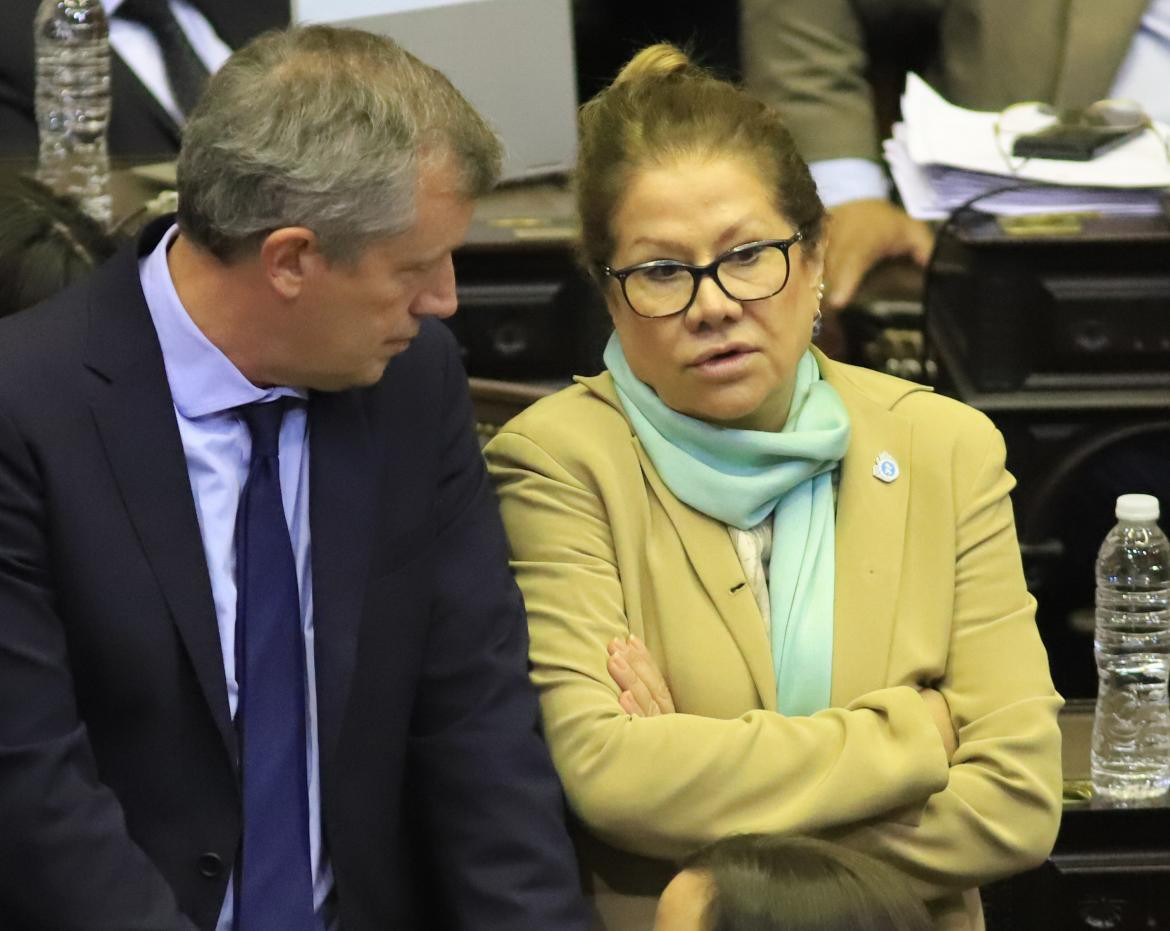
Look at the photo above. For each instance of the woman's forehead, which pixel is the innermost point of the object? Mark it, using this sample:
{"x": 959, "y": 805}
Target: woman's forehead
{"x": 697, "y": 201}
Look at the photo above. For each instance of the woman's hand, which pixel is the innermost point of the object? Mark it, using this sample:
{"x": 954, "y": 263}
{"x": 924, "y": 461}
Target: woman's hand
{"x": 644, "y": 691}
{"x": 940, "y": 713}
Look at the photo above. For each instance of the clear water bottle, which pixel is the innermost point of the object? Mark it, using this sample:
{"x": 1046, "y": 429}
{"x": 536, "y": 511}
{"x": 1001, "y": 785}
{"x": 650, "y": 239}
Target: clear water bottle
{"x": 72, "y": 45}
{"x": 1131, "y": 729}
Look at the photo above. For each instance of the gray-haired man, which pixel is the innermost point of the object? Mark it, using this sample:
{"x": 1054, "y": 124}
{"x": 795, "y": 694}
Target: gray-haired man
{"x": 262, "y": 664}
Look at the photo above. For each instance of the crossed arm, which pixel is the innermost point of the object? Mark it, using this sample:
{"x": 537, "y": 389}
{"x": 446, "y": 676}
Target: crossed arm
{"x": 645, "y": 694}
{"x": 873, "y": 774}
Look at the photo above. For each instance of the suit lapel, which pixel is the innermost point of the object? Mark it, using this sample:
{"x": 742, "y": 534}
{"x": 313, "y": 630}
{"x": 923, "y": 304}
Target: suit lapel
{"x": 122, "y": 75}
{"x": 1098, "y": 36}
{"x": 712, "y": 556}
{"x": 871, "y": 540}
{"x": 237, "y": 23}
{"x": 342, "y": 507}
{"x": 135, "y": 419}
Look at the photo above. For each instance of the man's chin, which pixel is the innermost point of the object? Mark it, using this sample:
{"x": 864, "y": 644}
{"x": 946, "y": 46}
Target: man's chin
{"x": 363, "y": 378}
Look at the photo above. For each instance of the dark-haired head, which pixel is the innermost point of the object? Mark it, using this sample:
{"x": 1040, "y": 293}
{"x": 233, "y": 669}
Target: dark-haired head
{"x": 46, "y": 243}
{"x": 757, "y": 883}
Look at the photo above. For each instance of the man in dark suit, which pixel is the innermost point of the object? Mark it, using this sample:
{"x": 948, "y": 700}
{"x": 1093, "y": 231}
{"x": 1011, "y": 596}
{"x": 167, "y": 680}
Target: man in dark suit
{"x": 144, "y": 122}
{"x": 262, "y": 663}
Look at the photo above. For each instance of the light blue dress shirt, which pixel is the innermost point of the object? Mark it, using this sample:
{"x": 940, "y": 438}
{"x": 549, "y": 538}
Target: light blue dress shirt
{"x": 206, "y": 387}
{"x": 1144, "y": 76}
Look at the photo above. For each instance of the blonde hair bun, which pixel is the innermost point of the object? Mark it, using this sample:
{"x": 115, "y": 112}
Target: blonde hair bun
{"x": 654, "y": 61}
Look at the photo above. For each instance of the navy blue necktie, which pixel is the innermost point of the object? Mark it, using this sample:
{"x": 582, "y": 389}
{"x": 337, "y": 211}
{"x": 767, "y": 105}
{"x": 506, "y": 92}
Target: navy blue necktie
{"x": 274, "y": 880}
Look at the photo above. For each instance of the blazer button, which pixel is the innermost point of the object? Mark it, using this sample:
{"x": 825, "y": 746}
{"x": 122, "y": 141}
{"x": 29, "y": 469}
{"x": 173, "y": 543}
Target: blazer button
{"x": 210, "y": 865}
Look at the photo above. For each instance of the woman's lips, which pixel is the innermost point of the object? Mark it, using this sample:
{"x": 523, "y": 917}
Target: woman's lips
{"x": 726, "y": 364}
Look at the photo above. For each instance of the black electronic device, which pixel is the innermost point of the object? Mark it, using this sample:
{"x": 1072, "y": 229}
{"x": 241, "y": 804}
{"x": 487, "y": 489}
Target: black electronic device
{"x": 527, "y": 312}
{"x": 1076, "y": 142}
{"x": 527, "y": 315}
{"x": 1053, "y": 308}
{"x": 1083, "y": 134}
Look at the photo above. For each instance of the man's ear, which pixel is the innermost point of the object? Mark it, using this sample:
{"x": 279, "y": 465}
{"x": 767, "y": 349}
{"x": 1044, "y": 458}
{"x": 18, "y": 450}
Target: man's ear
{"x": 289, "y": 256}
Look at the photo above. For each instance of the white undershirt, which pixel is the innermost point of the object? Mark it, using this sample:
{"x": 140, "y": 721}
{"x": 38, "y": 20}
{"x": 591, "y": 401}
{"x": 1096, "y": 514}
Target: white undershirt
{"x": 754, "y": 549}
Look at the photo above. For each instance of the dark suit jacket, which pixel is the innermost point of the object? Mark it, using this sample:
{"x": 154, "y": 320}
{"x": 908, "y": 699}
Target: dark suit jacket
{"x": 119, "y": 797}
{"x": 139, "y": 126}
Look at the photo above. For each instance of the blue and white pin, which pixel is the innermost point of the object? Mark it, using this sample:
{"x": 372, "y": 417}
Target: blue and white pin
{"x": 885, "y": 468}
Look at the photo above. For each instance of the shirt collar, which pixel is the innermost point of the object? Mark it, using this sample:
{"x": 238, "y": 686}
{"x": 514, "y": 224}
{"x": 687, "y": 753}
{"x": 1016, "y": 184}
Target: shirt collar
{"x": 202, "y": 379}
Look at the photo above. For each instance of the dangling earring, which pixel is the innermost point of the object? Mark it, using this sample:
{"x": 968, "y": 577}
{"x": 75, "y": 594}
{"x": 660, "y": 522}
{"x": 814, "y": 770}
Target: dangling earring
{"x": 818, "y": 324}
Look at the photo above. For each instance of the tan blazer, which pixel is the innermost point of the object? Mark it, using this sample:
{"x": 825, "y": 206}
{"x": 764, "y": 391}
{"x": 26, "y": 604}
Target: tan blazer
{"x": 929, "y": 589}
{"x": 808, "y": 57}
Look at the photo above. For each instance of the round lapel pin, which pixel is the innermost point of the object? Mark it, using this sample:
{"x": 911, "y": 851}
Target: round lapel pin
{"x": 885, "y": 468}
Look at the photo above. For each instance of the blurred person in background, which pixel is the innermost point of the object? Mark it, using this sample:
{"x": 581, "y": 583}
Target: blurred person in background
{"x": 46, "y": 243}
{"x": 162, "y": 53}
{"x": 813, "y": 60}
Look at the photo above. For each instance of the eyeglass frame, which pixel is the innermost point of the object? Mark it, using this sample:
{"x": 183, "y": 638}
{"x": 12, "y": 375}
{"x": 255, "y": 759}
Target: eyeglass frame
{"x": 699, "y": 272}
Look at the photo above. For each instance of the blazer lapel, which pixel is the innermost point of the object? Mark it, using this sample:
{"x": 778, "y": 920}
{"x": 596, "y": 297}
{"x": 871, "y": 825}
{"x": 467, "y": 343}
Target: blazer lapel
{"x": 1098, "y": 36}
{"x": 712, "y": 556}
{"x": 871, "y": 539}
{"x": 135, "y": 419}
{"x": 342, "y": 506}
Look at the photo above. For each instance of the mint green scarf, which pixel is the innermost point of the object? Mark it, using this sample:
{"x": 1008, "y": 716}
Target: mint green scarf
{"x": 739, "y": 477}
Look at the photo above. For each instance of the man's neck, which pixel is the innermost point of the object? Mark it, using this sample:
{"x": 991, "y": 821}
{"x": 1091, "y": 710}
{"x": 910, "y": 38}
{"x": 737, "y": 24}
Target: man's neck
{"x": 223, "y": 301}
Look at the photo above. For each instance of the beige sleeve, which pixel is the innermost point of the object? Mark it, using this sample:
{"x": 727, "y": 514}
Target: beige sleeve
{"x": 808, "y": 59}
{"x": 663, "y": 786}
{"x": 1000, "y": 811}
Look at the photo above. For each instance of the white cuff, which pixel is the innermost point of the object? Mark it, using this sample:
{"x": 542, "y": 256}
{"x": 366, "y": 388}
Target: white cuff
{"x": 844, "y": 179}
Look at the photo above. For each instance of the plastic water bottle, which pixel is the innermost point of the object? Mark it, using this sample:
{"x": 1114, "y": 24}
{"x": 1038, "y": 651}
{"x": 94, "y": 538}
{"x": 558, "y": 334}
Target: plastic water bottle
{"x": 72, "y": 45}
{"x": 1131, "y": 729}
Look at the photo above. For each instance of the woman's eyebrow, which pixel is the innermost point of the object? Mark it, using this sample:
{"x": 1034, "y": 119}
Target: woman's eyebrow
{"x": 724, "y": 241}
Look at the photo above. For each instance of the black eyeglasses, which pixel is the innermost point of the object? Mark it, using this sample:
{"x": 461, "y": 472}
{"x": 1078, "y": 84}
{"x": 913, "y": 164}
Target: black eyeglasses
{"x": 749, "y": 272}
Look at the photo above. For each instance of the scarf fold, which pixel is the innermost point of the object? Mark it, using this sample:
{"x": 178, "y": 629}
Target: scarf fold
{"x": 739, "y": 477}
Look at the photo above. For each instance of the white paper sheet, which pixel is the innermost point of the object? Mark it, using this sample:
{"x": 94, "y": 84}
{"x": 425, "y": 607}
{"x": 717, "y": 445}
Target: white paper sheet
{"x": 939, "y": 133}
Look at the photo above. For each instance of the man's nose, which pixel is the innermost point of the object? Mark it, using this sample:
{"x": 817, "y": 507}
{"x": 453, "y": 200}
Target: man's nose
{"x": 438, "y": 297}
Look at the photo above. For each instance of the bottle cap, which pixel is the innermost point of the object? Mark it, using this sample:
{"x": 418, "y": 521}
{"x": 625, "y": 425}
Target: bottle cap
{"x": 1137, "y": 507}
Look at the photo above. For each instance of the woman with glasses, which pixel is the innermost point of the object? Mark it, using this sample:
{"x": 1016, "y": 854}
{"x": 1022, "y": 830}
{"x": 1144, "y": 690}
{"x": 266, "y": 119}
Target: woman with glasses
{"x": 767, "y": 593}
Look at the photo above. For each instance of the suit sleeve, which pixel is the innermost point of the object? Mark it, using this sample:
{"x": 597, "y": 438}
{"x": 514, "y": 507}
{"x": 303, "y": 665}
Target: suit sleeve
{"x": 18, "y": 126}
{"x": 663, "y": 786}
{"x": 808, "y": 59}
{"x": 488, "y": 797}
{"x": 1001, "y": 809}
{"x": 68, "y": 861}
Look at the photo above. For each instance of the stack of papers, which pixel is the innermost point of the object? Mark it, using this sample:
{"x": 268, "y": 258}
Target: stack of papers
{"x": 941, "y": 156}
